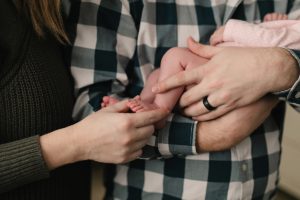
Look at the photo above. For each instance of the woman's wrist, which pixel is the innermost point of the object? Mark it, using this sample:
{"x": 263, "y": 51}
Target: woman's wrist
{"x": 61, "y": 147}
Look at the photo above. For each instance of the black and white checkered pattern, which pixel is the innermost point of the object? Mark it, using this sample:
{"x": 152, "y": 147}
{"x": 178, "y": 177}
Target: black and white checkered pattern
{"x": 119, "y": 42}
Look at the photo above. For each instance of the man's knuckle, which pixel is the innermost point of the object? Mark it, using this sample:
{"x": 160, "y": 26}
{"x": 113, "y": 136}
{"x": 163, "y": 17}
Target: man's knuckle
{"x": 125, "y": 141}
{"x": 126, "y": 124}
{"x": 149, "y": 131}
{"x": 152, "y": 129}
{"x": 180, "y": 77}
{"x": 215, "y": 84}
{"x": 225, "y": 96}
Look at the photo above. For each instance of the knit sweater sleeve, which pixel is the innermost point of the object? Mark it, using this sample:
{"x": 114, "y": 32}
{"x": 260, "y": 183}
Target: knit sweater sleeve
{"x": 21, "y": 162}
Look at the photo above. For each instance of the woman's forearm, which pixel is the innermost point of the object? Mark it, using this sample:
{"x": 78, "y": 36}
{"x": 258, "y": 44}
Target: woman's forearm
{"x": 21, "y": 162}
{"x": 230, "y": 129}
{"x": 60, "y": 147}
{"x": 105, "y": 136}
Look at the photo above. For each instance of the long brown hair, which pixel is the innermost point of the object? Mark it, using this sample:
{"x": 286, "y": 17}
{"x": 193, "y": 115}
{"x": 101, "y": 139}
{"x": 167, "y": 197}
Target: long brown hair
{"x": 45, "y": 15}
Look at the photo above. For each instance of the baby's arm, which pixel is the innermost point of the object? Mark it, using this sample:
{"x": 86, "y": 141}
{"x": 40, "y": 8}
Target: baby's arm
{"x": 265, "y": 35}
{"x": 174, "y": 61}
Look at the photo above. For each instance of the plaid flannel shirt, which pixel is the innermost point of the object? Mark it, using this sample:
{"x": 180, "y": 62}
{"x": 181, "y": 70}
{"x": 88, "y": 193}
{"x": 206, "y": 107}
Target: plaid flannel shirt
{"x": 117, "y": 45}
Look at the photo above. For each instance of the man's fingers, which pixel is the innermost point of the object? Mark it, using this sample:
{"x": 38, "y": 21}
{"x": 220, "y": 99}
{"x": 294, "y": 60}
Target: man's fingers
{"x": 149, "y": 117}
{"x": 195, "y": 109}
{"x": 203, "y": 50}
{"x": 198, "y": 108}
{"x": 213, "y": 114}
{"x": 180, "y": 79}
{"x": 118, "y": 107}
{"x": 193, "y": 95}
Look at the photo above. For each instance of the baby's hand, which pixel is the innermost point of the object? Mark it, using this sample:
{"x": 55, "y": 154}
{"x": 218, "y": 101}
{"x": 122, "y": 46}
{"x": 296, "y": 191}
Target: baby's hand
{"x": 217, "y": 37}
{"x": 275, "y": 16}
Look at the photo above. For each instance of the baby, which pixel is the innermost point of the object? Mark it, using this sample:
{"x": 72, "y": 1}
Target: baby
{"x": 272, "y": 32}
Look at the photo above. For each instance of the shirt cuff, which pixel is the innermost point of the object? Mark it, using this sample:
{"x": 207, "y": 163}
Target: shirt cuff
{"x": 178, "y": 137}
{"x": 21, "y": 162}
{"x": 229, "y": 31}
{"x": 292, "y": 95}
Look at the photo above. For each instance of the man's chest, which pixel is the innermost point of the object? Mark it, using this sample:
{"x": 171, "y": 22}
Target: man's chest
{"x": 165, "y": 24}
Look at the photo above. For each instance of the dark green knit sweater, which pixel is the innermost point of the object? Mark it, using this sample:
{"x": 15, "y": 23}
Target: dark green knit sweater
{"x": 35, "y": 98}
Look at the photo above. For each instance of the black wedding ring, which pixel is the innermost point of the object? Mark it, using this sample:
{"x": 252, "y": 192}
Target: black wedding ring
{"x": 207, "y": 105}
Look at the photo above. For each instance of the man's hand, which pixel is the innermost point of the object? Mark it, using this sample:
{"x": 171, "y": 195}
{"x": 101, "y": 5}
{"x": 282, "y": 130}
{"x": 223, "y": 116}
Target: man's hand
{"x": 230, "y": 129}
{"x": 232, "y": 78}
{"x": 217, "y": 37}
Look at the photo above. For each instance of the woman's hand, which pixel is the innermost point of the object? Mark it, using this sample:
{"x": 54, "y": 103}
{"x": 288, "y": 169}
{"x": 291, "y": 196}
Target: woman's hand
{"x": 108, "y": 136}
{"x": 112, "y": 137}
{"x": 234, "y": 77}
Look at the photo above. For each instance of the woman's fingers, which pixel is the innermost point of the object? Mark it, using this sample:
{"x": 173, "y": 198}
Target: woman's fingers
{"x": 144, "y": 133}
{"x": 135, "y": 155}
{"x": 142, "y": 119}
{"x": 139, "y": 145}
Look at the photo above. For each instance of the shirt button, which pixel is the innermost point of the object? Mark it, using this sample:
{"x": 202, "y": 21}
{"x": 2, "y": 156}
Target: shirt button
{"x": 244, "y": 167}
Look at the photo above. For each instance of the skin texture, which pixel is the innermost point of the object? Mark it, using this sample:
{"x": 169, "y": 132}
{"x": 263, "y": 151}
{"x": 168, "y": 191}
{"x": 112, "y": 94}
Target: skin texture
{"x": 217, "y": 36}
{"x": 233, "y": 77}
{"x": 224, "y": 132}
{"x": 109, "y": 136}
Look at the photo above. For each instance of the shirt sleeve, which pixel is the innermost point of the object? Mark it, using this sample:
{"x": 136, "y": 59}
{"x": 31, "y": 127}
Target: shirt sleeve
{"x": 178, "y": 138}
{"x": 276, "y": 34}
{"x": 270, "y": 35}
{"x": 292, "y": 95}
{"x": 103, "y": 48}
{"x": 21, "y": 162}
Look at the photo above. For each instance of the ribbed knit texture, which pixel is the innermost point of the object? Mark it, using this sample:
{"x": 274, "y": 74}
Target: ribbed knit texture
{"x": 35, "y": 98}
{"x": 21, "y": 162}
